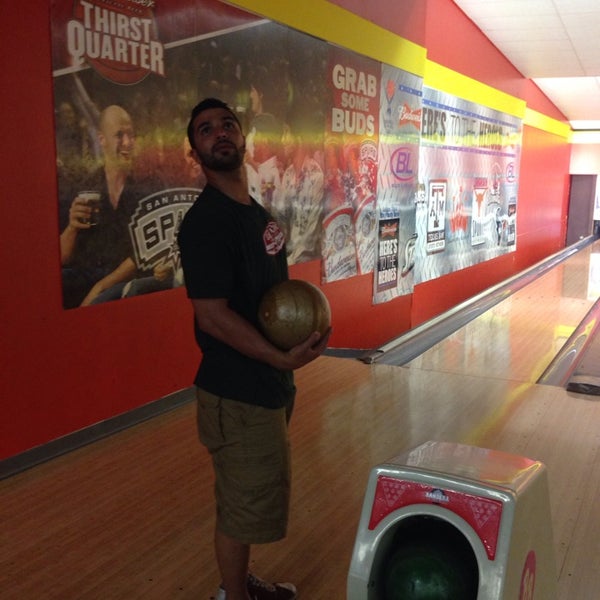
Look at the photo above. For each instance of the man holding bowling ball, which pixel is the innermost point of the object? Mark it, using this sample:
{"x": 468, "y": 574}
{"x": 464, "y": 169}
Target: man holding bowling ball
{"x": 232, "y": 252}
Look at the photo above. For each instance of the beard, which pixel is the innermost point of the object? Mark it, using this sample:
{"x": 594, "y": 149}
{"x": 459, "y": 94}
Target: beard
{"x": 223, "y": 161}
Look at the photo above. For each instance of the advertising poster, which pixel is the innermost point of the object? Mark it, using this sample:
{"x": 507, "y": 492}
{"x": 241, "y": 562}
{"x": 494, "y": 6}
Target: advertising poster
{"x": 436, "y": 215}
{"x": 125, "y": 175}
{"x": 351, "y": 162}
{"x": 388, "y": 272}
{"x": 469, "y": 172}
{"x": 399, "y": 134}
{"x": 126, "y": 75}
{"x": 355, "y": 159}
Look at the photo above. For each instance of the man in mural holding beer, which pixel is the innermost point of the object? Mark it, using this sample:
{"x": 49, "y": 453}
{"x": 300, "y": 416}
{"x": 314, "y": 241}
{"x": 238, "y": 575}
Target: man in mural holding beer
{"x": 232, "y": 252}
{"x": 96, "y": 251}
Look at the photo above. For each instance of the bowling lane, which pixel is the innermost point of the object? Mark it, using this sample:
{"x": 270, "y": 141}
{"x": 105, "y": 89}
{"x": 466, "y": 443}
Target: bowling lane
{"x": 351, "y": 417}
{"x": 518, "y": 338}
{"x": 132, "y": 515}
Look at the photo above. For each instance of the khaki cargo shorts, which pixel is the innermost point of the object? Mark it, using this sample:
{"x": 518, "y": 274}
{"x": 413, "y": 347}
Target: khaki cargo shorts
{"x": 250, "y": 450}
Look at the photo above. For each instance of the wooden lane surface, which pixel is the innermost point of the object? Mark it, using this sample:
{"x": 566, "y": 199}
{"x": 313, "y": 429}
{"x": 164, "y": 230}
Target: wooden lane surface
{"x": 132, "y": 516}
{"x": 520, "y": 336}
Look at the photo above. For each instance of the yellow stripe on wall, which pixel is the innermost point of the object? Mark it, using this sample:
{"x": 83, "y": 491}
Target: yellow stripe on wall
{"x": 541, "y": 121}
{"x": 334, "y": 24}
{"x": 449, "y": 81}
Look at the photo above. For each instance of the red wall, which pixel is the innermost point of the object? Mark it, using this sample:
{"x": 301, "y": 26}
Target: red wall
{"x": 65, "y": 370}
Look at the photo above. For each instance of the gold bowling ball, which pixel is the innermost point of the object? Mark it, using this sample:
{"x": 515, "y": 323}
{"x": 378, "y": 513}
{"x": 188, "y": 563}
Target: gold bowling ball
{"x": 291, "y": 310}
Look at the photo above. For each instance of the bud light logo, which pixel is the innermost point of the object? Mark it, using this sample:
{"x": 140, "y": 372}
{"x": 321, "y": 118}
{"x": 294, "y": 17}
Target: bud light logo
{"x": 401, "y": 164}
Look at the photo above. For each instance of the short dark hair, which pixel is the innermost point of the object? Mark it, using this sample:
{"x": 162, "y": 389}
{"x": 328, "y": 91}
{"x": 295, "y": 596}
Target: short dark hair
{"x": 205, "y": 105}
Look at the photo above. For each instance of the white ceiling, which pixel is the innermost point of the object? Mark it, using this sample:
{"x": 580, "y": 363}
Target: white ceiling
{"x": 556, "y": 43}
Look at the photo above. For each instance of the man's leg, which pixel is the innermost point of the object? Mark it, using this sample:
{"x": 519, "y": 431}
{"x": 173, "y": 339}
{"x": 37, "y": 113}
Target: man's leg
{"x": 232, "y": 558}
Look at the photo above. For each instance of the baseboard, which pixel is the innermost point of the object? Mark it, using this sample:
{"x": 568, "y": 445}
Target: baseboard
{"x": 77, "y": 439}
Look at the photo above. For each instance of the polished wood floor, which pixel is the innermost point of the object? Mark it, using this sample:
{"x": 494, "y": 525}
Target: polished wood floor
{"x": 131, "y": 517}
{"x": 518, "y": 338}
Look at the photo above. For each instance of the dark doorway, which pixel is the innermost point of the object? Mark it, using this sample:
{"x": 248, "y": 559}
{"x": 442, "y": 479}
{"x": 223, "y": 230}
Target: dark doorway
{"x": 580, "y": 221}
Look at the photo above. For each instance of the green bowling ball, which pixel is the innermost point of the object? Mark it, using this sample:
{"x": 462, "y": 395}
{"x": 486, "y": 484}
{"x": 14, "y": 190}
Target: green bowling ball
{"x": 436, "y": 565}
{"x": 421, "y": 573}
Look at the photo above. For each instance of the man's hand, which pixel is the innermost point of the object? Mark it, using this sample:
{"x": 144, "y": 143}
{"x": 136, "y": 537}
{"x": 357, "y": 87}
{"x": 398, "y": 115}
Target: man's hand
{"x": 79, "y": 218}
{"x": 80, "y": 214}
{"x": 215, "y": 318}
{"x": 308, "y": 350}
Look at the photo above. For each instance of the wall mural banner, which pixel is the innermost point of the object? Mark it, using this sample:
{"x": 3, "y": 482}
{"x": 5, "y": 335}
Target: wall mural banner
{"x": 126, "y": 75}
{"x": 468, "y": 181}
{"x": 400, "y": 127}
{"x": 332, "y": 150}
{"x": 350, "y": 165}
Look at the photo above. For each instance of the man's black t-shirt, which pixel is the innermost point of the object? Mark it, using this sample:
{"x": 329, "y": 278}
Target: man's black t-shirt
{"x": 234, "y": 251}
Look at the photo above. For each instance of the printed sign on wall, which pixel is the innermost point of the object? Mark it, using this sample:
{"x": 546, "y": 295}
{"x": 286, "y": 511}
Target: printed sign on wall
{"x": 468, "y": 167}
{"x": 125, "y": 173}
{"x": 340, "y": 148}
{"x": 400, "y": 129}
{"x": 350, "y": 165}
